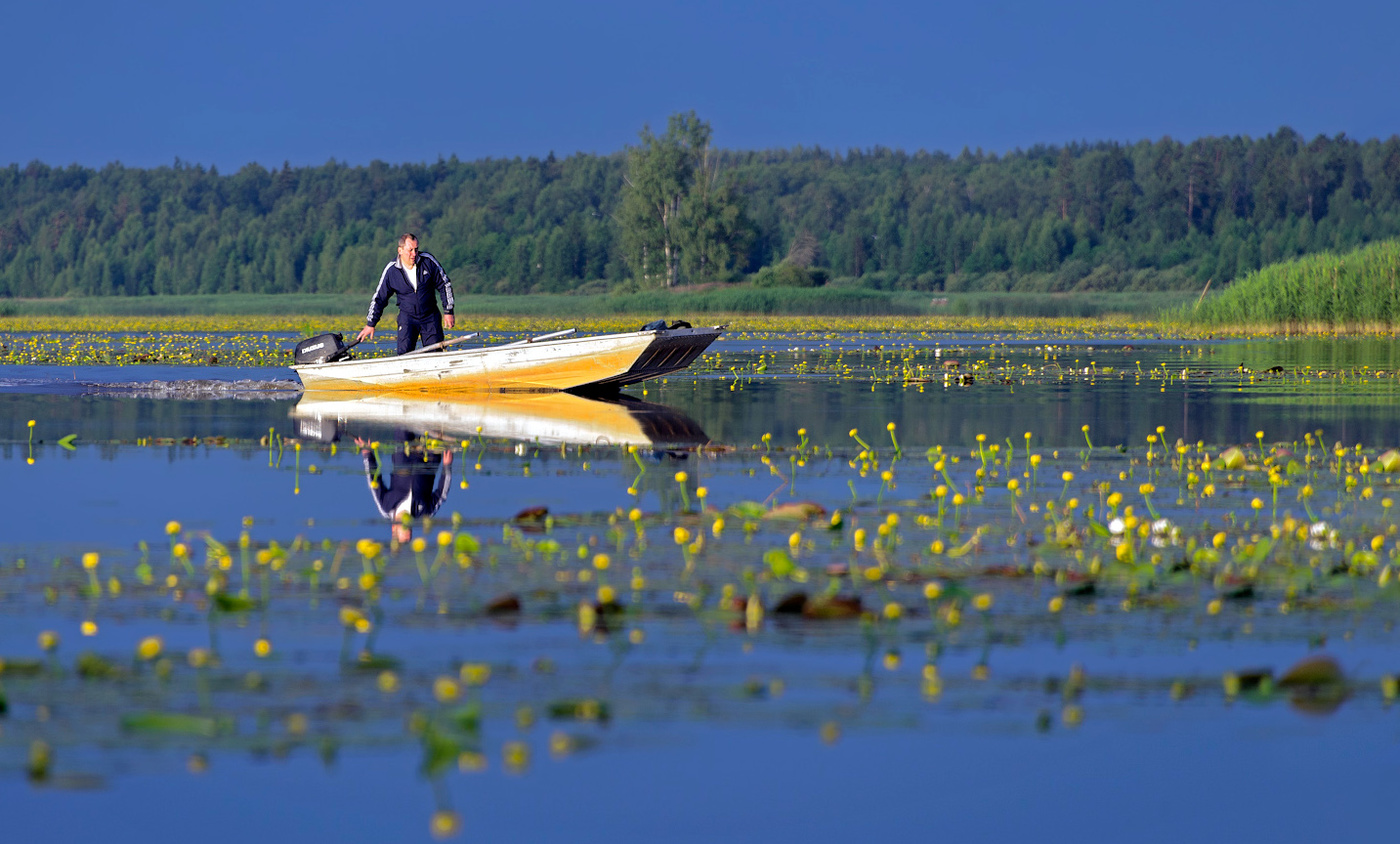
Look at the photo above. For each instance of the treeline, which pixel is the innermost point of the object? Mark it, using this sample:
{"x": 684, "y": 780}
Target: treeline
{"x": 1158, "y": 215}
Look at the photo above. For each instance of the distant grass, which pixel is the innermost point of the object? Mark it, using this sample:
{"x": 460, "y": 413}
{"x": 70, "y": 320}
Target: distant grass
{"x": 221, "y": 304}
{"x": 682, "y": 303}
{"x": 738, "y": 325}
{"x": 1359, "y": 290}
{"x": 1051, "y": 305}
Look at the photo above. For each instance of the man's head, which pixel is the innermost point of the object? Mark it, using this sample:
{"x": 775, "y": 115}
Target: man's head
{"x": 401, "y": 533}
{"x": 408, "y": 249}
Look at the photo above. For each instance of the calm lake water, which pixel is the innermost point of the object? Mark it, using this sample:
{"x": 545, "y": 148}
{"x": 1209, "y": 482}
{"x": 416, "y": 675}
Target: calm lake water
{"x": 1028, "y": 658}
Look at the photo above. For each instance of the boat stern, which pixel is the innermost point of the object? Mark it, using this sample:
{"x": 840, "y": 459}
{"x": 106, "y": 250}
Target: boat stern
{"x": 671, "y": 350}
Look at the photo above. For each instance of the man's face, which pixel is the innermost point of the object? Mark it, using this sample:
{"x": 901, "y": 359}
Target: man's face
{"x": 408, "y": 252}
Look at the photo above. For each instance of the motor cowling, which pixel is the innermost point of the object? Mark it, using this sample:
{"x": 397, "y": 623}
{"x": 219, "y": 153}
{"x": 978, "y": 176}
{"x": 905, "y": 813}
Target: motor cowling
{"x": 323, "y": 348}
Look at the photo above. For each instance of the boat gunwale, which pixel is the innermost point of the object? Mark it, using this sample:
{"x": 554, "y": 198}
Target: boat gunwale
{"x": 432, "y": 361}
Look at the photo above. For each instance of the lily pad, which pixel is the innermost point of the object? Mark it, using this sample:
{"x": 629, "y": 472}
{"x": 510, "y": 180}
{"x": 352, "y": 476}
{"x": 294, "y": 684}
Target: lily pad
{"x": 177, "y": 723}
{"x": 796, "y": 510}
{"x": 1232, "y": 457}
{"x": 1389, "y": 461}
{"x": 579, "y": 709}
{"x": 748, "y": 510}
{"x": 779, "y": 562}
{"x": 225, "y": 602}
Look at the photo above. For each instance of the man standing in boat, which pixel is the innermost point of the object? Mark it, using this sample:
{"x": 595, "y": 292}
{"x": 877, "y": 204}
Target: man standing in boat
{"x": 416, "y": 279}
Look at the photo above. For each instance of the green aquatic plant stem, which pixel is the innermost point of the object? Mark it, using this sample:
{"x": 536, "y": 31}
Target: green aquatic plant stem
{"x": 855, "y": 435}
{"x": 245, "y": 563}
{"x": 423, "y": 574}
{"x": 1147, "y": 501}
{"x": 1305, "y": 496}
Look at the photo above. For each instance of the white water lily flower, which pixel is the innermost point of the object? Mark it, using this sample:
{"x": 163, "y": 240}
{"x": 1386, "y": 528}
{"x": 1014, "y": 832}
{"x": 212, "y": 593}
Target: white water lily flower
{"x": 1116, "y": 526}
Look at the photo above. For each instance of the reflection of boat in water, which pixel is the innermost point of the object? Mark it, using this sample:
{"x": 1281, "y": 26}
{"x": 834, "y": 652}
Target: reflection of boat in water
{"x": 535, "y": 417}
{"x": 548, "y": 362}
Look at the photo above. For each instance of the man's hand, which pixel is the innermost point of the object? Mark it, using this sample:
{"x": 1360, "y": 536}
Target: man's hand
{"x": 449, "y": 320}
{"x": 366, "y": 333}
{"x": 447, "y": 457}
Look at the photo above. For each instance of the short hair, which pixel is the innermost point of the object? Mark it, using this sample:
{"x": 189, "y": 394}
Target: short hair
{"x": 406, "y": 237}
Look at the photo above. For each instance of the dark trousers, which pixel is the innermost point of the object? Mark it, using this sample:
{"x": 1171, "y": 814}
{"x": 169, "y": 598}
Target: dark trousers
{"x": 427, "y": 327}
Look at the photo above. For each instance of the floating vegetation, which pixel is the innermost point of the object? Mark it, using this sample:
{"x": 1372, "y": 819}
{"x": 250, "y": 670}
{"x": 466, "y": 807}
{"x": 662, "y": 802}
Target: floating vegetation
{"x": 153, "y": 329}
{"x": 938, "y": 552}
{"x": 836, "y": 579}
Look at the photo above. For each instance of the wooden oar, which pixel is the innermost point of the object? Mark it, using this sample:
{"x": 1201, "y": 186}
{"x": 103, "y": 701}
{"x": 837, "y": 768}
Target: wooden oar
{"x": 554, "y": 335}
{"x": 444, "y": 344}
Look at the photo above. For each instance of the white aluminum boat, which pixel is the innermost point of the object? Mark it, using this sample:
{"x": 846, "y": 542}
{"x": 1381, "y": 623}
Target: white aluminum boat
{"x": 557, "y": 361}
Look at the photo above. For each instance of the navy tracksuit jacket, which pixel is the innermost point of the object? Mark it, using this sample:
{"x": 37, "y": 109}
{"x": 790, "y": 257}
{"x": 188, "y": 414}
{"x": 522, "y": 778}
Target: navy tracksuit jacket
{"x": 418, "y": 312}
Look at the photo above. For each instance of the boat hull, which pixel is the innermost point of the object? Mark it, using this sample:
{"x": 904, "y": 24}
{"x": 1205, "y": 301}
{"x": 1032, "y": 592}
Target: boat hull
{"x": 601, "y": 362}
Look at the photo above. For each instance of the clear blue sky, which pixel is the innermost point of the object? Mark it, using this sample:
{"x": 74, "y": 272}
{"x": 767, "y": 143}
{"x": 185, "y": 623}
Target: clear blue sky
{"x": 146, "y": 82}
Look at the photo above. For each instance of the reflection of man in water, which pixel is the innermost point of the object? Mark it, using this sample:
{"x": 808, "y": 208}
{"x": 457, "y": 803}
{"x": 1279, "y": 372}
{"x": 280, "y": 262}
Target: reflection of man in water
{"x": 409, "y": 491}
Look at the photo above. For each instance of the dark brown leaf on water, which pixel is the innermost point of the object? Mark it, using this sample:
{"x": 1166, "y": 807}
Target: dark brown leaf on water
{"x": 1317, "y": 670}
{"x": 1316, "y": 685}
{"x": 791, "y": 604}
{"x": 608, "y": 608}
{"x": 1238, "y": 591}
{"x": 837, "y": 606}
{"x": 1081, "y": 589}
{"x": 507, "y": 604}
{"x": 532, "y": 514}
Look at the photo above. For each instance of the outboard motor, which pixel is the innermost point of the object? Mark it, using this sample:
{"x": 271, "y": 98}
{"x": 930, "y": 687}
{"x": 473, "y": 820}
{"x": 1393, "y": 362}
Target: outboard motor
{"x": 323, "y": 348}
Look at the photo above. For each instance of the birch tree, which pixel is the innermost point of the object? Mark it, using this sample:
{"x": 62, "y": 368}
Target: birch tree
{"x": 678, "y": 216}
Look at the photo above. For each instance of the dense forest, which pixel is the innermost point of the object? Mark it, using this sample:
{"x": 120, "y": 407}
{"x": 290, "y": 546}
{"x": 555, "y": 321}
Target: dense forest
{"x": 1091, "y": 216}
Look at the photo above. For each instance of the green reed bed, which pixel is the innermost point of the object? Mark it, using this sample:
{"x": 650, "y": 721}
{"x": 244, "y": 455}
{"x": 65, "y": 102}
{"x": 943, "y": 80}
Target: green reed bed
{"x": 1356, "y": 290}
